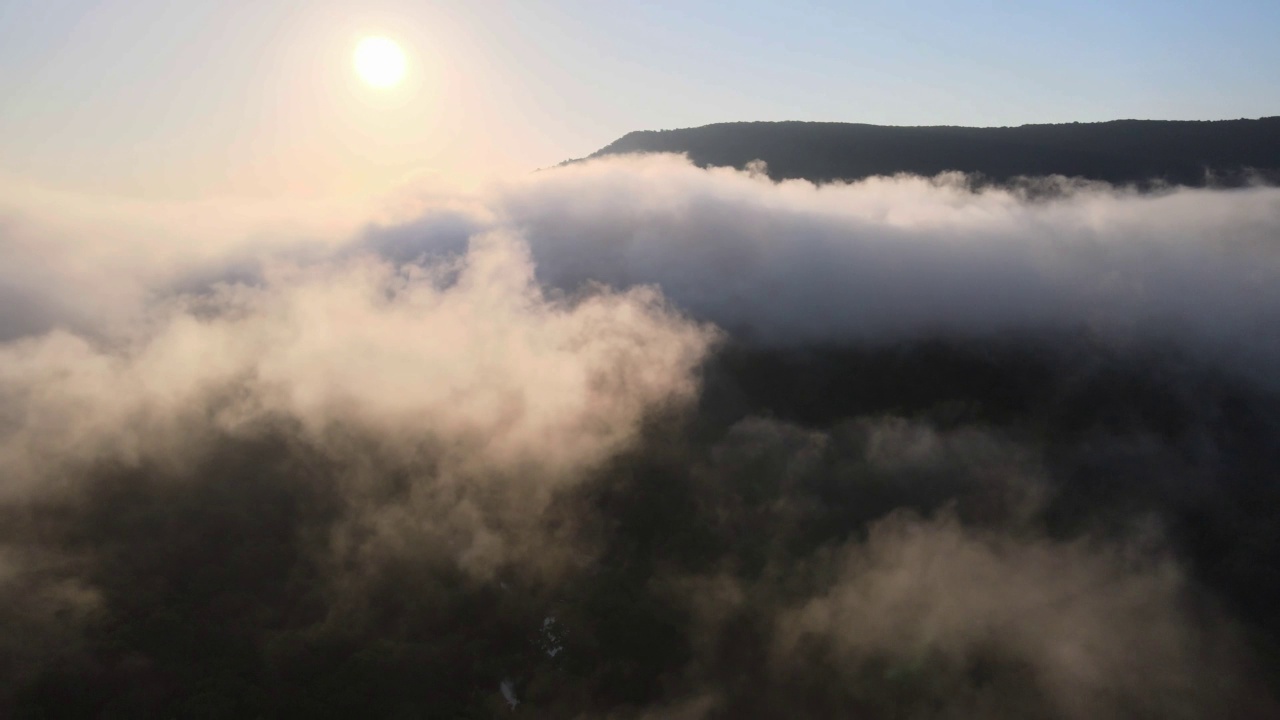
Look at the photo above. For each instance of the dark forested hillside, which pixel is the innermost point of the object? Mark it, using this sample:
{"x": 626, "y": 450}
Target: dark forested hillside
{"x": 1193, "y": 153}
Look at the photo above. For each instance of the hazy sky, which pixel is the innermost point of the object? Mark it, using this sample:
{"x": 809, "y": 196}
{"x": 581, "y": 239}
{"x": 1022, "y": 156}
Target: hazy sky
{"x": 257, "y": 99}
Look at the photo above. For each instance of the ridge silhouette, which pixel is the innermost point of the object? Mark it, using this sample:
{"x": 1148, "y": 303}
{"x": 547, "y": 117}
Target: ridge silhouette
{"x": 1142, "y": 152}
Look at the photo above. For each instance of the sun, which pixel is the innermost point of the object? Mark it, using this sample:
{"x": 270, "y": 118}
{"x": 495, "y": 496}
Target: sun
{"x": 380, "y": 62}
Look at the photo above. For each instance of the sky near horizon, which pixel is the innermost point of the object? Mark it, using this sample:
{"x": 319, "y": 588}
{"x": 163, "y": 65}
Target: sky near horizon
{"x": 256, "y": 99}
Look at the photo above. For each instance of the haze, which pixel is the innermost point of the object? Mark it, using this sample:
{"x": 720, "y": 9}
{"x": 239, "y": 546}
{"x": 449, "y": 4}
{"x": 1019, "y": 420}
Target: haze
{"x": 507, "y": 359}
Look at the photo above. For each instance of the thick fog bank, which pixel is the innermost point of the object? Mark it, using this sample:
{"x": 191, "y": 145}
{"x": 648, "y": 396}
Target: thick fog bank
{"x": 633, "y": 439}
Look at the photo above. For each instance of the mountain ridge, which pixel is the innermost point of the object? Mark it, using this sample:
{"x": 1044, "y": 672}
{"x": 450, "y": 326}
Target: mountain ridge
{"x": 1145, "y": 152}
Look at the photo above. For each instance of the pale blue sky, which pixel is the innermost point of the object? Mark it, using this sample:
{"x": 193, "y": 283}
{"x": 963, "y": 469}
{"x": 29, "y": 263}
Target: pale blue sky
{"x": 255, "y": 97}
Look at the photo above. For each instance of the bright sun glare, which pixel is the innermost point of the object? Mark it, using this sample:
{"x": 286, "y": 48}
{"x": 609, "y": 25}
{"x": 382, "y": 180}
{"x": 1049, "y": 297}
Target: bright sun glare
{"x": 380, "y": 62}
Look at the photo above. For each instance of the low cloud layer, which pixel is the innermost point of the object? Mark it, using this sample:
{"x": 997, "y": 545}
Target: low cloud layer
{"x": 463, "y": 372}
{"x": 881, "y": 259}
{"x": 895, "y": 258}
{"x": 900, "y": 448}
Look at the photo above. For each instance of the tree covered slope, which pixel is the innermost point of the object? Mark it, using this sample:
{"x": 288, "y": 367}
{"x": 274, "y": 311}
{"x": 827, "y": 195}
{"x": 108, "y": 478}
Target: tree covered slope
{"x": 1195, "y": 153}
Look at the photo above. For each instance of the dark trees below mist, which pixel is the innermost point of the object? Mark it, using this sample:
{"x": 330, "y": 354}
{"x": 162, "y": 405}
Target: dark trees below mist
{"x": 218, "y": 600}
